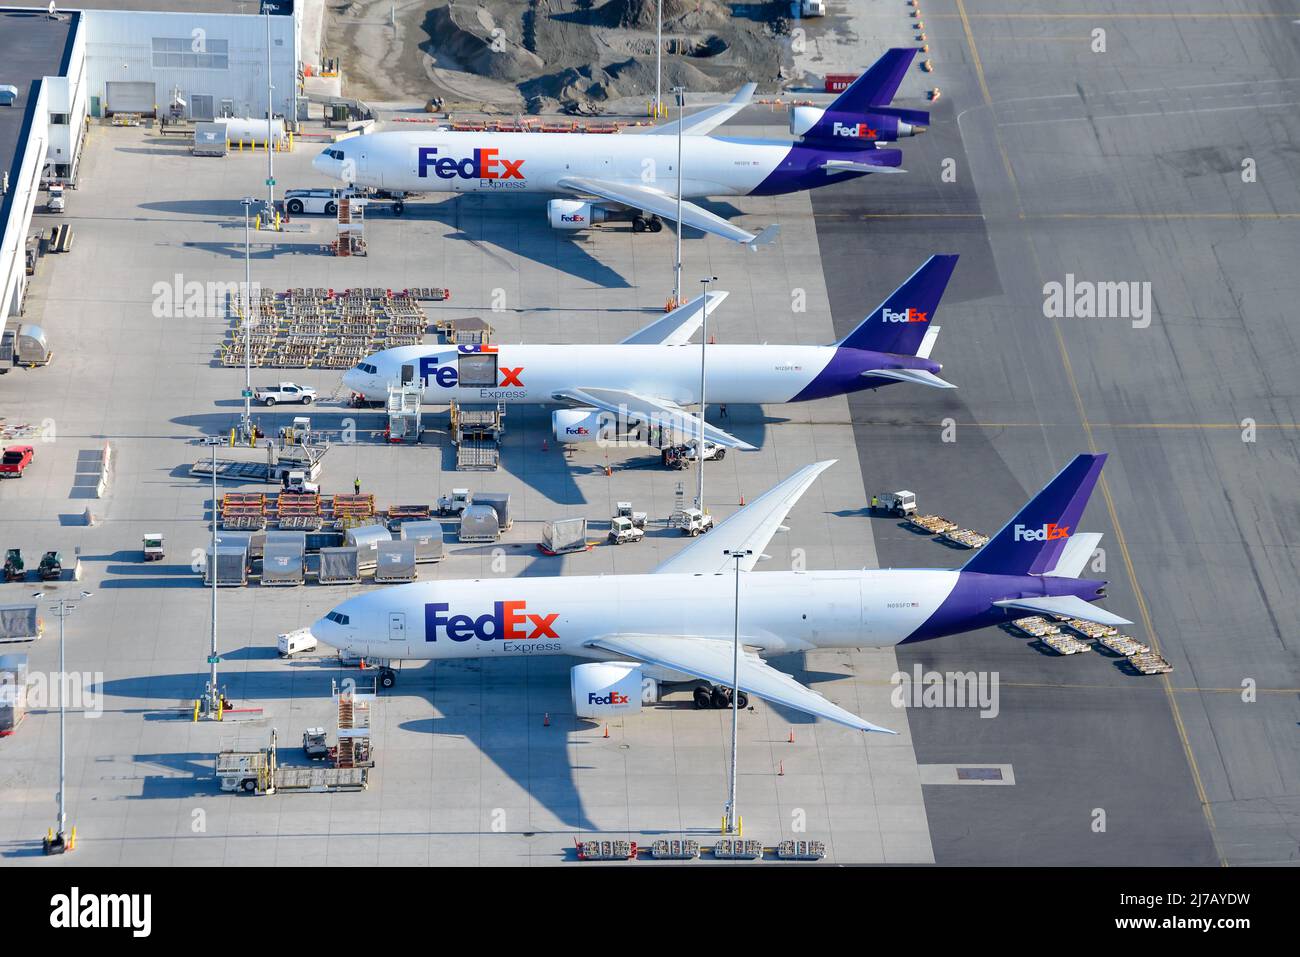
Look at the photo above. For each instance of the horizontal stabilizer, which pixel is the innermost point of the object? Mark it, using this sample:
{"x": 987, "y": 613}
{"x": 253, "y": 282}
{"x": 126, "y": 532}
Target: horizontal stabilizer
{"x": 916, "y": 376}
{"x": 927, "y": 342}
{"x": 849, "y": 166}
{"x": 1077, "y": 551}
{"x": 1067, "y": 606}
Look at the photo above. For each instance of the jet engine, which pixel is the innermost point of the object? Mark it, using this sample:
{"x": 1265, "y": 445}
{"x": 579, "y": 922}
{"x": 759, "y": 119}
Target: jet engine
{"x": 845, "y": 128}
{"x": 574, "y": 214}
{"x": 605, "y": 689}
{"x": 577, "y": 425}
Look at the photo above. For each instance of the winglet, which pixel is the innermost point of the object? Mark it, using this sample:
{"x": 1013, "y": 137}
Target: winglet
{"x": 765, "y": 237}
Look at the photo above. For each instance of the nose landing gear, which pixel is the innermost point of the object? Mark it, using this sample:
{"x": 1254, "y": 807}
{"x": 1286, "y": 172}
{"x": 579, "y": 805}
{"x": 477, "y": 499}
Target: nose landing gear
{"x": 712, "y": 696}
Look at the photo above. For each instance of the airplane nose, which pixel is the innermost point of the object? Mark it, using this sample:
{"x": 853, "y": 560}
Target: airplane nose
{"x": 319, "y": 163}
{"x": 352, "y": 380}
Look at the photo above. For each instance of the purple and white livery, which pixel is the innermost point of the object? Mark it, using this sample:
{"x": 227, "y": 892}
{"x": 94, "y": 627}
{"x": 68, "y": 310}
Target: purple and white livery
{"x": 651, "y": 376}
{"x": 676, "y": 623}
{"x": 634, "y": 177}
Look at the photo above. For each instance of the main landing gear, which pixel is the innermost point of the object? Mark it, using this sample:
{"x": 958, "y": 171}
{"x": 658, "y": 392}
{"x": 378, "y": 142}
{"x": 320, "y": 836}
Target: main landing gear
{"x": 711, "y": 696}
{"x": 642, "y": 223}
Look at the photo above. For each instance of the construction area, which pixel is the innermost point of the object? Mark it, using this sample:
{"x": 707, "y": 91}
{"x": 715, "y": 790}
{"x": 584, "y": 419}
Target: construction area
{"x": 573, "y": 56}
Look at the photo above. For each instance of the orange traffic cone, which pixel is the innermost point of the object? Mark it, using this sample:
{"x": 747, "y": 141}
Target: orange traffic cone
{"x": 742, "y": 500}
{"x": 791, "y": 736}
{"x": 546, "y": 720}
{"x": 607, "y": 731}
{"x": 780, "y": 770}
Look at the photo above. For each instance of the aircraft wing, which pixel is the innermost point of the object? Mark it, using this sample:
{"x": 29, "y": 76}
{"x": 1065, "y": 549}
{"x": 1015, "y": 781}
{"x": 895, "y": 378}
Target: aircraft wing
{"x": 665, "y": 206}
{"x": 712, "y": 660}
{"x": 650, "y": 410}
{"x": 677, "y": 327}
{"x": 750, "y": 528}
{"x": 705, "y": 121}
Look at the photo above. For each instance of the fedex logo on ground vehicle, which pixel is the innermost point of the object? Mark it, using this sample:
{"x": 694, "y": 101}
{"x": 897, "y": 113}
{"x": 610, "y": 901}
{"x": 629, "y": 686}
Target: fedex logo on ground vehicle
{"x": 484, "y": 164}
{"x": 857, "y": 131}
{"x": 448, "y": 378}
{"x": 612, "y": 698}
{"x": 1047, "y": 533}
{"x": 907, "y": 315}
{"x": 508, "y": 621}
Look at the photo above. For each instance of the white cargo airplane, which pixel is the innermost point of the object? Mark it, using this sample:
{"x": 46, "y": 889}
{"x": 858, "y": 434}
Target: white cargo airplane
{"x": 676, "y": 623}
{"x": 650, "y": 377}
{"x": 620, "y": 177}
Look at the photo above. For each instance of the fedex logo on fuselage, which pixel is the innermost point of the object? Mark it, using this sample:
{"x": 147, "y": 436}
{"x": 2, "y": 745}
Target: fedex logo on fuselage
{"x": 856, "y": 131}
{"x": 508, "y": 621}
{"x": 612, "y": 698}
{"x": 483, "y": 164}
{"x": 907, "y": 315}
{"x": 1048, "y": 533}
{"x": 447, "y": 377}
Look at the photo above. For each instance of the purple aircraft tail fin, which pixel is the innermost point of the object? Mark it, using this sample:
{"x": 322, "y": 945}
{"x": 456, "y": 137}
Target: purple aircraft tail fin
{"x": 898, "y": 325}
{"x": 1032, "y": 542}
{"x": 877, "y": 86}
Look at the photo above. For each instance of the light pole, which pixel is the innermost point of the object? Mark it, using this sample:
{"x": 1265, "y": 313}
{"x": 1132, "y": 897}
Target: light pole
{"x": 680, "y": 91}
{"x": 270, "y": 160}
{"x": 733, "y": 819}
{"x": 704, "y": 344}
{"x": 659, "y": 61}
{"x": 247, "y": 425}
{"x": 211, "y": 695}
{"x": 61, "y": 608}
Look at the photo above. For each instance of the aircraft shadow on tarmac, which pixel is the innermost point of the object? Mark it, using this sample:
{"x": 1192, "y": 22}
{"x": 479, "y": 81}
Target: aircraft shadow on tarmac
{"x": 519, "y": 225}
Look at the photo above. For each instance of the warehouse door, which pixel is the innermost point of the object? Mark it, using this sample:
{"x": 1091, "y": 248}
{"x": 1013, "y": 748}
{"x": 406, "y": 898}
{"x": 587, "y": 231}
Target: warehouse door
{"x": 202, "y": 108}
{"x": 126, "y": 97}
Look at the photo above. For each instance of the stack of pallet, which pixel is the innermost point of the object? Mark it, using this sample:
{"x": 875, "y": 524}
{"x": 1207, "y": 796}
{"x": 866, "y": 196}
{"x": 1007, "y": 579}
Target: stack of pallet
{"x": 298, "y": 511}
{"x": 243, "y": 511}
{"x": 351, "y": 511}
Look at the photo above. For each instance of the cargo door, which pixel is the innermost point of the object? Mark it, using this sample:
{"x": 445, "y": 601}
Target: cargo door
{"x": 396, "y": 635}
{"x": 132, "y": 97}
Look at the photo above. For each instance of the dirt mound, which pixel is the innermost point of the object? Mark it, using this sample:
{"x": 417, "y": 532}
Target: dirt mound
{"x": 643, "y": 14}
{"x": 470, "y": 35}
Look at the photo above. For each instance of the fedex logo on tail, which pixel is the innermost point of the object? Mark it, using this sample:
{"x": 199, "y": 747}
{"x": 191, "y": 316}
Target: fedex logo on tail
{"x": 906, "y": 315}
{"x": 856, "y": 131}
{"x": 508, "y": 621}
{"x": 1048, "y": 533}
{"x": 483, "y": 164}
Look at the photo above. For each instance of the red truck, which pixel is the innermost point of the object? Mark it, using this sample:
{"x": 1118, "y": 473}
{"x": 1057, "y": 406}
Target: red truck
{"x": 15, "y": 460}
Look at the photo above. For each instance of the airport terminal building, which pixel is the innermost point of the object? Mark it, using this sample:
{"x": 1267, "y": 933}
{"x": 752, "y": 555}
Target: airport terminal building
{"x": 59, "y": 68}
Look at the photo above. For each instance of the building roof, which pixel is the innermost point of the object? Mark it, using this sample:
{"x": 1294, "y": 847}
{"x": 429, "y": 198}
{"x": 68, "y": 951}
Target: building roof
{"x": 32, "y": 45}
{"x": 164, "y": 6}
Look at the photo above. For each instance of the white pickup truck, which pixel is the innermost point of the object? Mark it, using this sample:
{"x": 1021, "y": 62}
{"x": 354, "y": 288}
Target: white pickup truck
{"x": 284, "y": 392}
